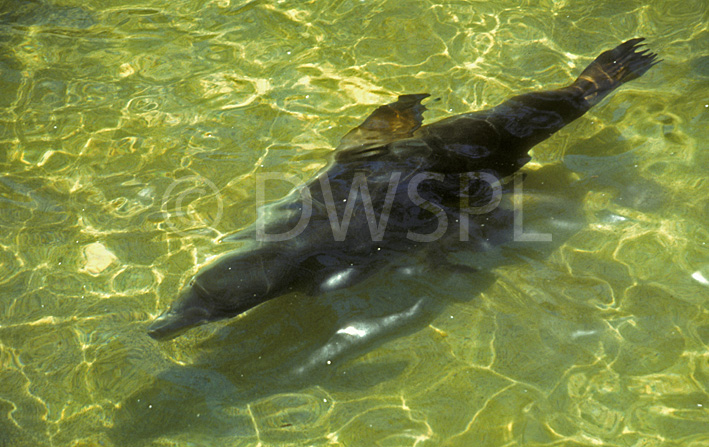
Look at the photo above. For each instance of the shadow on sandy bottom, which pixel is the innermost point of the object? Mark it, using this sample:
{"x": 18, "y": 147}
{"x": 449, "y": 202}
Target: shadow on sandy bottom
{"x": 295, "y": 343}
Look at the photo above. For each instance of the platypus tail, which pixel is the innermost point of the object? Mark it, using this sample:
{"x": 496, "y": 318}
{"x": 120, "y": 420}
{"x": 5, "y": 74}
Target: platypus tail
{"x": 613, "y": 68}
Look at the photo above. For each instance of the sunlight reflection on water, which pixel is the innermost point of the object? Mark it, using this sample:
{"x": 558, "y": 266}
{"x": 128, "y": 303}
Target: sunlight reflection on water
{"x": 600, "y": 340}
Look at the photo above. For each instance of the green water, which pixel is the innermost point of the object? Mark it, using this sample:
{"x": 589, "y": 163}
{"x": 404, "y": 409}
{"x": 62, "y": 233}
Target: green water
{"x": 131, "y": 133}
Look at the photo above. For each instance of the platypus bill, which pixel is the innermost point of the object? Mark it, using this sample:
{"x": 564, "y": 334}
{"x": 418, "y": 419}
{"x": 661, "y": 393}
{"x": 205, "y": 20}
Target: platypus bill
{"x": 410, "y": 172}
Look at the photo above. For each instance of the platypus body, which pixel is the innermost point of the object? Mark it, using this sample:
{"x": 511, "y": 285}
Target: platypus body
{"x": 393, "y": 186}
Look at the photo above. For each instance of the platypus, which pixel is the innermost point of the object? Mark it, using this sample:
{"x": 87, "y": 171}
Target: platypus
{"x": 392, "y": 186}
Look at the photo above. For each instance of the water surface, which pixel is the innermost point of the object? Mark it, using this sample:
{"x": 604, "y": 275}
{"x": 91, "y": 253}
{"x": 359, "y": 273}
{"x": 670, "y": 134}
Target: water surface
{"x": 131, "y": 136}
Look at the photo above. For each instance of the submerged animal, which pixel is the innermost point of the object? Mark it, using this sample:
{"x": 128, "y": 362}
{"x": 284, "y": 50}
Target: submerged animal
{"x": 326, "y": 234}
